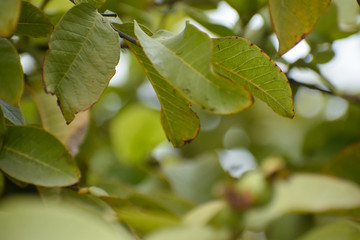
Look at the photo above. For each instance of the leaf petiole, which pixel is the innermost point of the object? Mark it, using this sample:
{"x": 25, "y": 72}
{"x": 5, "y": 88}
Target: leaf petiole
{"x": 127, "y": 37}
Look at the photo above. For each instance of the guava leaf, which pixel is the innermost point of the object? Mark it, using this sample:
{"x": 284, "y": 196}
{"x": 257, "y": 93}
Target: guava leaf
{"x": 34, "y": 156}
{"x": 307, "y": 193}
{"x": 343, "y": 229}
{"x": 9, "y": 15}
{"x": 11, "y": 73}
{"x": 293, "y": 20}
{"x": 201, "y": 215}
{"x": 184, "y": 61}
{"x": 247, "y": 65}
{"x": 84, "y": 51}
{"x": 145, "y": 220}
{"x": 54, "y": 221}
{"x": 12, "y": 113}
{"x": 33, "y": 22}
{"x": 180, "y": 123}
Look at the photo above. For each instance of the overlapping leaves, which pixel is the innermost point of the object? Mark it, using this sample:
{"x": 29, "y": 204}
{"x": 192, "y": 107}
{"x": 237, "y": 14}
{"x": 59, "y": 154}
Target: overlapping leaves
{"x": 184, "y": 60}
{"x": 181, "y": 69}
{"x": 180, "y": 123}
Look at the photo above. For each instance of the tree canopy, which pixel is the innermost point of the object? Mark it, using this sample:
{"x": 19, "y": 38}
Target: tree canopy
{"x": 209, "y": 135}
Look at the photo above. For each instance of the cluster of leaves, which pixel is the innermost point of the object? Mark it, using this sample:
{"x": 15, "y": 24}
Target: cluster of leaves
{"x": 75, "y": 47}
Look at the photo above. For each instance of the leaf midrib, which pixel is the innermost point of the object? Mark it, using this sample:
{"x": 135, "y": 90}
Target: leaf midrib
{"x": 37, "y": 161}
{"x": 78, "y": 53}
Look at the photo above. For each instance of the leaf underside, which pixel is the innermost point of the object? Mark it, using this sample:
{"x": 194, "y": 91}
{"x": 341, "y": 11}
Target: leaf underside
{"x": 184, "y": 60}
{"x": 84, "y": 51}
{"x": 179, "y": 122}
{"x": 247, "y": 65}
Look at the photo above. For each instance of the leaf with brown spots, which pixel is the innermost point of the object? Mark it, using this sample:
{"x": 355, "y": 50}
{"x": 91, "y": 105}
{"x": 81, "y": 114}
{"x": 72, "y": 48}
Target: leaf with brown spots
{"x": 293, "y": 20}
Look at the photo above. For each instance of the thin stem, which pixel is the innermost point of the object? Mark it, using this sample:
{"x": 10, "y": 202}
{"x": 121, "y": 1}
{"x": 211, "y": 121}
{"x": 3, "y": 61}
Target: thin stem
{"x": 127, "y": 37}
{"x": 109, "y": 14}
{"x": 349, "y": 97}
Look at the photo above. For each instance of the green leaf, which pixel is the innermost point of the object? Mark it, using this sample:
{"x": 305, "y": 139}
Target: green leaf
{"x": 201, "y": 215}
{"x": 34, "y": 156}
{"x": 54, "y": 221}
{"x": 307, "y": 193}
{"x": 96, "y": 3}
{"x": 180, "y": 123}
{"x": 247, "y": 65}
{"x": 323, "y": 57}
{"x": 84, "y": 51}
{"x": 343, "y": 229}
{"x": 184, "y": 61}
{"x": 80, "y": 199}
{"x": 293, "y": 20}
{"x": 11, "y": 73}
{"x": 11, "y": 113}
{"x": 33, "y": 22}
{"x": 130, "y": 131}
{"x": 346, "y": 164}
{"x": 146, "y": 221}
{"x": 188, "y": 233}
{"x": 9, "y": 14}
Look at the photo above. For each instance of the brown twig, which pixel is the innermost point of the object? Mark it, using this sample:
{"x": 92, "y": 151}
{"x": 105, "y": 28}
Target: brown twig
{"x": 349, "y": 97}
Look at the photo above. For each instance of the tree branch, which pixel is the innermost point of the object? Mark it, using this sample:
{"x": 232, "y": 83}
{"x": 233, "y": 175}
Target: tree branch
{"x": 349, "y": 97}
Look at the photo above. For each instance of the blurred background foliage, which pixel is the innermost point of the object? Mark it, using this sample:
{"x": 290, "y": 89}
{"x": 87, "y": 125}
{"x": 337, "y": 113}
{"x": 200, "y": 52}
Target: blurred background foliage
{"x": 121, "y": 148}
